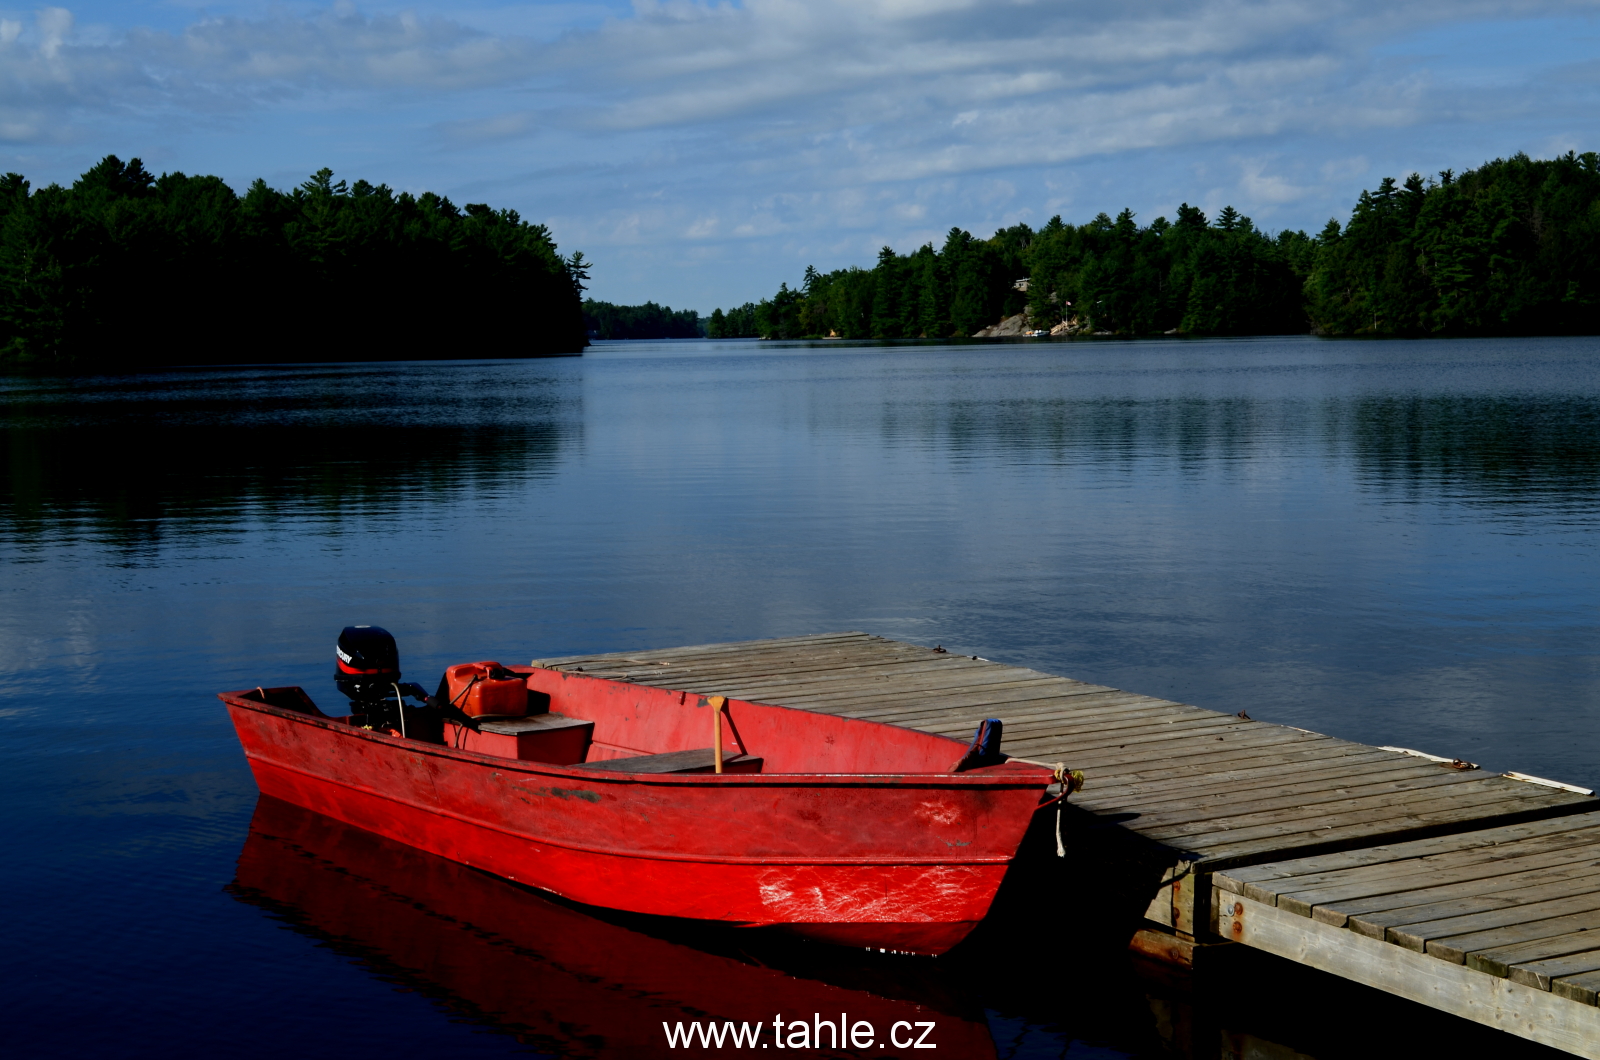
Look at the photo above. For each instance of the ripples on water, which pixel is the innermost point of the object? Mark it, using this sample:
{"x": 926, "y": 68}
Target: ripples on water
{"x": 1390, "y": 542}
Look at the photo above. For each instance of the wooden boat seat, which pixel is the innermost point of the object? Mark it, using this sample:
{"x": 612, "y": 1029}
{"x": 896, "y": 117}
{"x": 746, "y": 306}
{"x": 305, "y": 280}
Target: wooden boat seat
{"x": 552, "y": 738}
{"x": 701, "y": 760}
{"x": 531, "y": 723}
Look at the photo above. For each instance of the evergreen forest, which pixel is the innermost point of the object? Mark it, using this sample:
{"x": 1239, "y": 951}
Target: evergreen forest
{"x": 603, "y": 320}
{"x": 1512, "y": 247}
{"x": 125, "y": 268}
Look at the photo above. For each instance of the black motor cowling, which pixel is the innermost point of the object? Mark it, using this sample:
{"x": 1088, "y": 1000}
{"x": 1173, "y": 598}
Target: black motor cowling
{"x": 367, "y": 663}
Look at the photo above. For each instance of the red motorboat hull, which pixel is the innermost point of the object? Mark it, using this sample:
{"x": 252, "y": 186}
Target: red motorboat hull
{"x": 906, "y": 861}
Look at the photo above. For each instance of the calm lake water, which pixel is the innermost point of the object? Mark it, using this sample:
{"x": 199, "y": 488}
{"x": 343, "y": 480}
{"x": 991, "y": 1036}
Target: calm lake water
{"x": 1389, "y": 542}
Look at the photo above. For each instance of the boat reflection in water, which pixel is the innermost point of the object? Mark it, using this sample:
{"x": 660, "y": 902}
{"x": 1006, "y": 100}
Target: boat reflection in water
{"x": 568, "y": 982}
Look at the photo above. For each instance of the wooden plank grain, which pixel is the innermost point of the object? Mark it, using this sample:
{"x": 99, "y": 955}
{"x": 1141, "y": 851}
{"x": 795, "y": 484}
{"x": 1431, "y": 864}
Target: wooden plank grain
{"x": 1246, "y": 817}
{"x": 1196, "y": 794}
{"x": 1102, "y": 712}
{"x": 1104, "y": 732}
{"x": 1269, "y": 783}
{"x": 1201, "y": 811}
{"x": 1000, "y": 703}
{"x": 1354, "y": 893}
{"x": 1018, "y": 696}
{"x": 1215, "y": 747}
{"x": 843, "y": 697}
{"x": 898, "y": 709}
{"x": 1454, "y": 899}
{"x": 1147, "y": 752}
{"x": 1222, "y": 851}
{"x": 1256, "y": 808}
{"x": 1458, "y": 851}
{"x": 1218, "y": 852}
{"x": 1026, "y": 710}
{"x": 1580, "y": 988}
{"x": 1185, "y": 779}
{"x": 1453, "y": 792}
{"x": 1435, "y": 933}
{"x": 1456, "y": 947}
{"x": 1536, "y": 953}
{"x": 1185, "y": 769}
{"x": 1208, "y": 746}
{"x": 1199, "y": 736}
{"x": 1326, "y": 866}
{"x": 1541, "y": 973}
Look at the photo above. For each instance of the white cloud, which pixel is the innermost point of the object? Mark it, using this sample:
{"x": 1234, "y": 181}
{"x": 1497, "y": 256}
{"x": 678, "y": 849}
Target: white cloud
{"x": 1260, "y": 186}
{"x": 339, "y": 49}
{"x": 942, "y": 83}
{"x": 939, "y": 89}
{"x": 1345, "y": 168}
{"x": 55, "y": 23}
{"x": 494, "y": 127}
{"x": 236, "y": 62}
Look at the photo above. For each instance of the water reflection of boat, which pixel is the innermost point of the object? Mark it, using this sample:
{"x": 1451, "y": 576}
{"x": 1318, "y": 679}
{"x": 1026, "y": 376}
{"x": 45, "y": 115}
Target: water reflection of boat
{"x": 552, "y": 974}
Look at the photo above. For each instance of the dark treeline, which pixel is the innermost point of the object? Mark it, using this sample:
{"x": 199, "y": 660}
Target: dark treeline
{"x": 740, "y": 322}
{"x": 1510, "y": 248}
{"x": 603, "y": 320}
{"x": 1109, "y": 275}
{"x": 127, "y": 268}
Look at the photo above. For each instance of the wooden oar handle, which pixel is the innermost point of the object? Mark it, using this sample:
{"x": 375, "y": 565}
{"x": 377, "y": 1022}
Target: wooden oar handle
{"x": 716, "y": 703}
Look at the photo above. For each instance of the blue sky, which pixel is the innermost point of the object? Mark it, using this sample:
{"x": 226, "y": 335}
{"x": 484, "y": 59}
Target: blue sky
{"x": 700, "y": 153}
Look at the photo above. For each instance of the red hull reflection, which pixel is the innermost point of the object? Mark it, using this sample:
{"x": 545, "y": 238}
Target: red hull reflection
{"x": 559, "y": 978}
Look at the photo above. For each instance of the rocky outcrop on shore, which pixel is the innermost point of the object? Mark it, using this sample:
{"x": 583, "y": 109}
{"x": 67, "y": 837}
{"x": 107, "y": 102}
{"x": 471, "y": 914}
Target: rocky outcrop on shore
{"x": 1020, "y": 326}
{"x": 1009, "y": 328}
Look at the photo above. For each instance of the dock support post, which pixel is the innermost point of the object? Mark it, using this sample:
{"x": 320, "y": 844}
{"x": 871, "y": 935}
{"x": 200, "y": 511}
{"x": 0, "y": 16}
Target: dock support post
{"x": 1191, "y": 892}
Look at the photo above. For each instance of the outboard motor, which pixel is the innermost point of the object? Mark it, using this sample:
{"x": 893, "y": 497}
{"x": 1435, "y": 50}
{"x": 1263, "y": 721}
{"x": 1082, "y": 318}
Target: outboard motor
{"x": 367, "y": 669}
{"x": 367, "y": 665}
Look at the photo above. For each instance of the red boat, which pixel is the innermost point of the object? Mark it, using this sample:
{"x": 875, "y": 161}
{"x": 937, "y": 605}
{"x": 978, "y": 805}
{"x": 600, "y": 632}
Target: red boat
{"x": 606, "y": 793}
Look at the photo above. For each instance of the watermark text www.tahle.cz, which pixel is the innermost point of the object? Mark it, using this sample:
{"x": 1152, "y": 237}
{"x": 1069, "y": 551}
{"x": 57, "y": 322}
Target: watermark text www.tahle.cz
{"x": 798, "y": 1034}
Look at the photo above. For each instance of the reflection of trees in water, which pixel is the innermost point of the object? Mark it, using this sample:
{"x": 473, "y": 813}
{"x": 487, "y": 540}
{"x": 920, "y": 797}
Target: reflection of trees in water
{"x": 1501, "y": 447}
{"x": 1095, "y": 430}
{"x": 125, "y": 460}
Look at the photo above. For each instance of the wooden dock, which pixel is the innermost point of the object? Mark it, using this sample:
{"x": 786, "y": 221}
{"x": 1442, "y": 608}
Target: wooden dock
{"x": 1500, "y": 925}
{"x": 1213, "y": 803}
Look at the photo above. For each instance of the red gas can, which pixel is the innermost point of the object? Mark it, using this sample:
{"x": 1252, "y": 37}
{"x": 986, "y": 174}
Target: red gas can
{"x": 484, "y": 688}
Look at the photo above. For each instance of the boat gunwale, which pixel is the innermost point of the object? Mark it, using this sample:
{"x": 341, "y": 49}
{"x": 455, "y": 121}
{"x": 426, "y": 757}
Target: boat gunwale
{"x": 1020, "y": 775}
